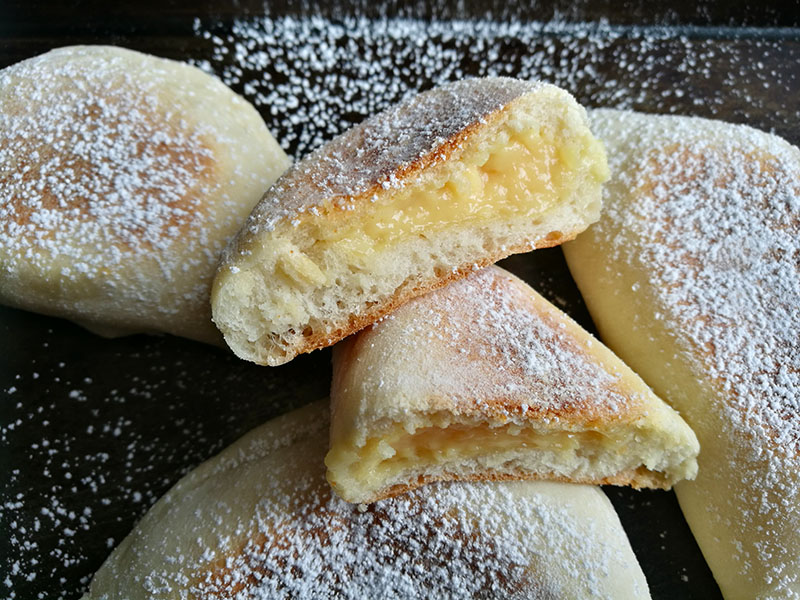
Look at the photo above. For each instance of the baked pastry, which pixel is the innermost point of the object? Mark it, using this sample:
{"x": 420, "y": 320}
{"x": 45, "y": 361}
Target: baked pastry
{"x": 259, "y": 521}
{"x": 693, "y": 277}
{"x": 414, "y": 197}
{"x": 484, "y": 379}
{"x": 122, "y": 177}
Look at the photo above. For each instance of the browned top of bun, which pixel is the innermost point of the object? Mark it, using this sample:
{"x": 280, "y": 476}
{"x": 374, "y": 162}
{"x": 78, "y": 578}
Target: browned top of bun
{"x": 386, "y": 148}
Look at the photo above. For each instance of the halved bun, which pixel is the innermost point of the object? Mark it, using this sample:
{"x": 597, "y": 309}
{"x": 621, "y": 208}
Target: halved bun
{"x": 484, "y": 379}
{"x": 415, "y": 197}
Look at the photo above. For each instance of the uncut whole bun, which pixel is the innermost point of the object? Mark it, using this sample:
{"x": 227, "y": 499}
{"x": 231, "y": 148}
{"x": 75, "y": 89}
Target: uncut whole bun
{"x": 122, "y": 177}
{"x": 258, "y": 521}
{"x": 692, "y": 276}
{"x": 416, "y": 196}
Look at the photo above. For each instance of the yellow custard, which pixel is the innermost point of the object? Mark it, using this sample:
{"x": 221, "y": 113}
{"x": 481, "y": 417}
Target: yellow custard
{"x": 385, "y": 458}
{"x": 520, "y": 174}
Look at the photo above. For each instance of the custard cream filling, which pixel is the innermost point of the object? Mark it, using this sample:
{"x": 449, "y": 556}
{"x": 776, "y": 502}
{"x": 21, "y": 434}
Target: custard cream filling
{"x": 386, "y": 460}
{"x": 520, "y": 173}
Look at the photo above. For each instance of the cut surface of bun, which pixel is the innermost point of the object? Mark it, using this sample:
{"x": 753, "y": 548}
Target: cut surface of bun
{"x": 484, "y": 379}
{"x": 122, "y": 177}
{"x": 692, "y": 276}
{"x": 414, "y": 197}
{"x": 259, "y": 521}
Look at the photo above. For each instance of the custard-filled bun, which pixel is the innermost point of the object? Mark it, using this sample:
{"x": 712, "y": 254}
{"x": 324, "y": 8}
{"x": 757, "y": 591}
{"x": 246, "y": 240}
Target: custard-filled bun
{"x": 414, "y": 197}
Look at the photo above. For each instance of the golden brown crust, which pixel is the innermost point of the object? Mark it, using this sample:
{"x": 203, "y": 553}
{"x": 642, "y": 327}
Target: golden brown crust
{"x": 638, "y": 478}
{"x": 38, "y": 160}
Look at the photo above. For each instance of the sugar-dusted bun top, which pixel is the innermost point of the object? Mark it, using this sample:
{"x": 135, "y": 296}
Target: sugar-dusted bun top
{"x": 122, "y": 171}
{"x": 93, "y": 165}
{"x": 260, "y": 521}
{"x": 488, "y": 346}
{"x": 716, "y": 210}
{"x": 380, "y": 153}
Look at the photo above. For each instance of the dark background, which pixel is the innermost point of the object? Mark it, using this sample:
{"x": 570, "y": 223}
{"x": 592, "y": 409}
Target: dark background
{"x": 93, "y": 431}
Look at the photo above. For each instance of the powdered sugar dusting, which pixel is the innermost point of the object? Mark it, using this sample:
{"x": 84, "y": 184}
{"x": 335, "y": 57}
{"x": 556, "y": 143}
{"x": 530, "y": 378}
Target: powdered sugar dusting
{"x": 501, "y": 347}
{"x": 417, "y": 544}
{"x": 715, "y": 228}
{"x": 375, "y": 154}
{"x": 301, "y": 541}
{"x": 92, "y": 168}
{"x": 721, "y": 217}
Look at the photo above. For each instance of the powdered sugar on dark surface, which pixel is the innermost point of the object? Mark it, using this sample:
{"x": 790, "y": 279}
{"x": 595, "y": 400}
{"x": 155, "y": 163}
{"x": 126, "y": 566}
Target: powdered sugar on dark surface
{"x": 65, "y": 506}
{"x": 100, "y": 429}
{"x": 315, "y": 77}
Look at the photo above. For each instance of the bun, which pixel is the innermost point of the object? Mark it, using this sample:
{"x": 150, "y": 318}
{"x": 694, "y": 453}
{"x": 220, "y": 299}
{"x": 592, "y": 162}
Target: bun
{"x": 484, "y": 379}
{"x": 692, "y": 276}
{"x": 411, "y": 199}
{"x": 259, "y": 521}
{"x": 122, "y": 177}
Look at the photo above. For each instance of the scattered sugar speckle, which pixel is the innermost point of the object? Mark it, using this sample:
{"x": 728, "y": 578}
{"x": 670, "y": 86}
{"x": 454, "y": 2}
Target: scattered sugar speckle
{"x": 77, "y": 488}
{"x": 312, "y": 78}
{"x": 315, "y": 77}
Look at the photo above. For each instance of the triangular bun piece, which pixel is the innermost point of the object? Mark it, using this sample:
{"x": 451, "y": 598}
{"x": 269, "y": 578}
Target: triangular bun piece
{"x": 413, "y": 198}
{"x": 484, "y": 379}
